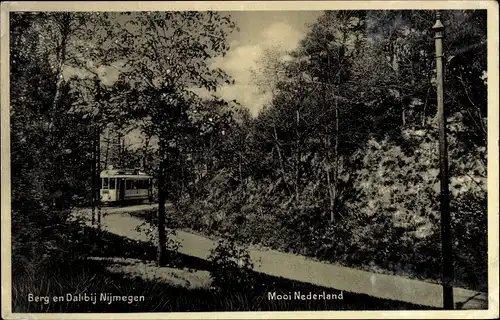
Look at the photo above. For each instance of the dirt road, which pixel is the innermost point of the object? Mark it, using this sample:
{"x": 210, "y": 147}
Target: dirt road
{"x": 293, "y": 267}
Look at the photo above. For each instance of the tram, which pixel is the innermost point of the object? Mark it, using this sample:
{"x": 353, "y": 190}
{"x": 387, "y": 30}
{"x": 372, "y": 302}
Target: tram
{"x": 125, "y": 186}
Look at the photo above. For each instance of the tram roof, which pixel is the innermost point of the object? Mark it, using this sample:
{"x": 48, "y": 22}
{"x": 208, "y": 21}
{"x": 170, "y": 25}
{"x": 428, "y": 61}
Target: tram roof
{"x": 124, "y": 174}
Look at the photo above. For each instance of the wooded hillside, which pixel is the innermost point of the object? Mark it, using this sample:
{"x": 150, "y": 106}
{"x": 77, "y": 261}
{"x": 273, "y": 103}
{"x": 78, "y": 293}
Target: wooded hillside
{"x": 340, "y": 165}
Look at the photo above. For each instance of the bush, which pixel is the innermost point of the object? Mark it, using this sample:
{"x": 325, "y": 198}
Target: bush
{"x": 387, "y": 221}
{"x": 469, "y": 232}
{"x": 46, "y": 241}
{"x": 232, "y": 266}
{"x": 171, "y": 245}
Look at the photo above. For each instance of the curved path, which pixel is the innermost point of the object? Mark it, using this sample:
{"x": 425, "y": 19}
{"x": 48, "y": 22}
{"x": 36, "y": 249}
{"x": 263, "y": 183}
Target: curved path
{"x": 299, "y": 268}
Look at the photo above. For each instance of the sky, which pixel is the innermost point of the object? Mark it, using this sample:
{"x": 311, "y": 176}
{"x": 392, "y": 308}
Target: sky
{"x": 259, "y": 30}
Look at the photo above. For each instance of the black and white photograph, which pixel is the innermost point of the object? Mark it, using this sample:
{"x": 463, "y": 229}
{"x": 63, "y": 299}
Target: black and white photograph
{"x": 190, "y": 159}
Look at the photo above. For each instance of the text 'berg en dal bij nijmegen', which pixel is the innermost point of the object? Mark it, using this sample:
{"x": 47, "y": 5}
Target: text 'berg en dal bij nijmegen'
{"x": 84, "y": 297}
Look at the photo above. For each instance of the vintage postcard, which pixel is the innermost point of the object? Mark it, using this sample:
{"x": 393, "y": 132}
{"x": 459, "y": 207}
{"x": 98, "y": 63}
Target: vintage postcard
{"x": 250, "y": 160}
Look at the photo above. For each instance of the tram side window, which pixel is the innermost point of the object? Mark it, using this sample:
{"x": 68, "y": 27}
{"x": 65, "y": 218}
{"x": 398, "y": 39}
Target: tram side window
{"x": 105, "y": 183}
{"x": 112, "y": 183}
{"x": 128, "y": 184}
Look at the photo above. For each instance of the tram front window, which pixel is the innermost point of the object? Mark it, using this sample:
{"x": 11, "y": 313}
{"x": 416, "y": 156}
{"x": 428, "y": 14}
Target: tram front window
{"x": 105, "y": 183}
{"x": 112, "y": 183}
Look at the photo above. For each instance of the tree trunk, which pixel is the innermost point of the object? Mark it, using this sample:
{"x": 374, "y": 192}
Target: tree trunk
{"x": 118, "y": 149}
{"x": 145, "y": 154}
{"x": 162, "y": 195}
{"x": 330, "y": 195}
{"x": 280, "y": 158}
{"x": 395, "y": 64}
{"x": 336, "y": 170}
{"x": 121, "y": 152}
{"x": 183, "y": 176}
{"x": 297, "y": 158}
{"x": 194, "y": 176}
{"x": 64, "y": 26}
{"x": 98, "y": 176}
{"x": 94, "y": 182}
{"x": 107, "y": 150}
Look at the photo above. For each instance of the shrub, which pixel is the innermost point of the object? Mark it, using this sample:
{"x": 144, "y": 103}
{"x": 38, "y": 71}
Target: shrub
{"x": 232, "y": 266}
{"x": 171, "y": 245}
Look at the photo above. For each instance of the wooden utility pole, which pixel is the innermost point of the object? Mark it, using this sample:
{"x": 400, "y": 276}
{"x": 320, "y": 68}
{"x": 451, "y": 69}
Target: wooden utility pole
{"x": 446, "y": 246}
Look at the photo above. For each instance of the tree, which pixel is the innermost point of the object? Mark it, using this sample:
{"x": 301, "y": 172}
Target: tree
{"x": 163, "y": 55}
{"x": 49, "y": 149}
{"x": 349, "y": 134}
{"x": 331, "y": 47}
{"x": 319, "y": 71}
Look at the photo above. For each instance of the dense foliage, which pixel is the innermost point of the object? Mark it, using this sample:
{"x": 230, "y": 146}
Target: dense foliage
{"x": 340, "y": 165}
{"x": 50, "y": 160}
